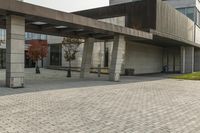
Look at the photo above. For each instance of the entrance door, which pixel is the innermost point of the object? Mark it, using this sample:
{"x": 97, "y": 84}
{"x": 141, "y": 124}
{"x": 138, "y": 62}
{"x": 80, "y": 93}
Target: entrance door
{"x": 55, "y": 55}
{"x": 2, "y": 58}
{"x": 171, "y": 60}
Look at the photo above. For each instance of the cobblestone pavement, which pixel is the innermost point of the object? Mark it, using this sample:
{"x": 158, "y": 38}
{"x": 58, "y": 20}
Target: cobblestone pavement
{"x": 134, "y": 105}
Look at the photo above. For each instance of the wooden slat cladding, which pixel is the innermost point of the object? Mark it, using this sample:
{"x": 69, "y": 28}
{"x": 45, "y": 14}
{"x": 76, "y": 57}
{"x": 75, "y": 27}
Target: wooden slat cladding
{"x": 140, "y": 15}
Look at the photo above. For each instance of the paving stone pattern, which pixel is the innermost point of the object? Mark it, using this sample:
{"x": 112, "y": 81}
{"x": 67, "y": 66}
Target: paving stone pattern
{"x": 134, "y": 105}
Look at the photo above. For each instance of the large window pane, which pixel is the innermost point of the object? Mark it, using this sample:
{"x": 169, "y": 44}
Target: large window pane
{"x": 2, "y": 34}
{"x": 182, "y": 10}
{"x": 190, "y": 13}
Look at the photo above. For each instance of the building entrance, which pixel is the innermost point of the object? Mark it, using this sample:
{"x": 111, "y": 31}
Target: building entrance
{"x": 2, "y": 58}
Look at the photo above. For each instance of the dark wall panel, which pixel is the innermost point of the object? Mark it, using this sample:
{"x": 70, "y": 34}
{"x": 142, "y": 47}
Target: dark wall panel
{"x": 139, "y": 15}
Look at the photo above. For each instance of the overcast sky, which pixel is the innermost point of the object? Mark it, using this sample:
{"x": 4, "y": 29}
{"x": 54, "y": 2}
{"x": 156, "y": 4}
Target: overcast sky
{"x": 70, "y": 5}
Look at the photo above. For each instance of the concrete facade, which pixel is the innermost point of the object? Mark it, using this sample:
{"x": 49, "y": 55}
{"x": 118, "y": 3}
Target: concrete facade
{"x": 193, "y": 5}
{"x": 168, "y": 21}
{"x": 143, "y": 58}
{"x": 99, "y": 47}
{"x": 187, "y": 59}
{"x": 170, "y": 25}
{"x": 117, "y": 58}
{"x": 15, "y": 51}
{"x": 87, "y": 57}
{"x": 139, "y": 54}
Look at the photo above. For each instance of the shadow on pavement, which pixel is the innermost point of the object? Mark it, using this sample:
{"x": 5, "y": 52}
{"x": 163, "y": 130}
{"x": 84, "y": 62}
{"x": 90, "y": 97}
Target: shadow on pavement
{"x": 58, "y": 84}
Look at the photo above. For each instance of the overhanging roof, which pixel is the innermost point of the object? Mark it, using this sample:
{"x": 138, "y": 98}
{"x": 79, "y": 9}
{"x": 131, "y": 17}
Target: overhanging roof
{"x": 75, "y": 24}
{"x": 166, "y": 40}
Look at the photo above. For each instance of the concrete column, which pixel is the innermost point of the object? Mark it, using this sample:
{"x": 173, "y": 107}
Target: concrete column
{"x": 187, "y": 59}
{"x": 117, "y": 58}
{"x": 15, "y": 51}
{"x": 87, "y": 57}
{"x": 197, "y": 59}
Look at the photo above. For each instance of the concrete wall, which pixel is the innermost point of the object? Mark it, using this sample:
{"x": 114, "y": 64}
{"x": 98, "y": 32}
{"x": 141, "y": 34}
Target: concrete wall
{"x": 198, "y": 4}
{"x": 171, "y": 21}
{"x": 116, "y": 20}
{"x": 54, "y": 39}
{"x": 98, "y": 54}
{"x": 109, "y": 44}
{"x": 143, "y": 58}
{"x": 181, "y": 3}
{"x": 171, "y": 59}
{"x": 197, "y": 34}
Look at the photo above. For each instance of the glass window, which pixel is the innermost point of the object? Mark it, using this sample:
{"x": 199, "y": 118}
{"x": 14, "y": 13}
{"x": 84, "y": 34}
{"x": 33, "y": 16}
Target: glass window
{"x": 190, "y": 13}
{"x": 30, "y": 36}
{"x": 182, "y": 10}
{"x": 2, "y": 34}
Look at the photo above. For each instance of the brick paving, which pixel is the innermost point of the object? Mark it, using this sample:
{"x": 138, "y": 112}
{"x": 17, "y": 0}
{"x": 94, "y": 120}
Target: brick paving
{"x": 53, "y": 104}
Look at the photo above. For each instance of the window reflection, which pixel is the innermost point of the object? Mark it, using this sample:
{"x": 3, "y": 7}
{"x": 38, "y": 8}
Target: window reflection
{"x": 192, "y": 13}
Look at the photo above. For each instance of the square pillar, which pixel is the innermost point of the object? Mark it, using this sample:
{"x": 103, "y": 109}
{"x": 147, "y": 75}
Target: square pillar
{"x": 15, "y": 41}
{"x": 87, "y": 57}
{"x": 117, "y": 58}
{"x": 197, "y": 59}
{"x": 187, "y": 59}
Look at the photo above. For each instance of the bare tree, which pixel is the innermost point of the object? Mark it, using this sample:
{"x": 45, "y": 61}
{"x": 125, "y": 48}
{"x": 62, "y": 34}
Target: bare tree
{"x": 70, "y": 46}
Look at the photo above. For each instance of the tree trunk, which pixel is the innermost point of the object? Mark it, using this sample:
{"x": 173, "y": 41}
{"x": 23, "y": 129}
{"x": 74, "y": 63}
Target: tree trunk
{"x": 37, "y": 69}
{"x": 69, "y": 70}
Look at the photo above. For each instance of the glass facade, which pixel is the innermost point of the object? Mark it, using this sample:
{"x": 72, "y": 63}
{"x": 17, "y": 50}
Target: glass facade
{"x": 34, "y": 36}
{"x": 188, "y": 11}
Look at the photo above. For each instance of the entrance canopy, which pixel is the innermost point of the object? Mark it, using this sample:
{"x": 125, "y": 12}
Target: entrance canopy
{"x": 52, "y": 22}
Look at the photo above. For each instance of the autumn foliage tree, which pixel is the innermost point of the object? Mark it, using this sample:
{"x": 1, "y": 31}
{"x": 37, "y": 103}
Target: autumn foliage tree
{"x": 38, "y": 49}
{"x": 70, "y": 46}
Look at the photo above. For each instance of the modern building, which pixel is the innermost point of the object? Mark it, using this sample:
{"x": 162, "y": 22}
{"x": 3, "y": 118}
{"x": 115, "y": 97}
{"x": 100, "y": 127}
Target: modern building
{"x": 138, "y": 37}
{"x": 158, "y": 58}
{"x": 190, "y": 8}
